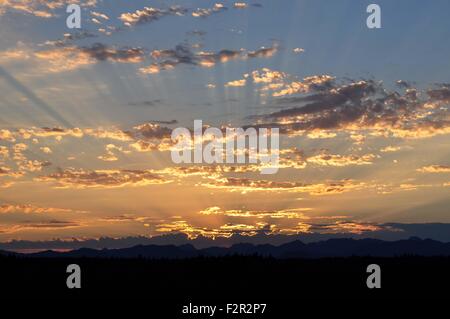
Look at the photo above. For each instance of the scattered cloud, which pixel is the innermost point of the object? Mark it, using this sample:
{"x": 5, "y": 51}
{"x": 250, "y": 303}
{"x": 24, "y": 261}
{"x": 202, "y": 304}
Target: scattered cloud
{"x": 205, "y": 12}
{"x": 182, "y": 54}
{"x": 435, "y": 169}
{"x": 79, "y": 178}
{"x": 245, "y": 185}
{"x": 33, "y": 209}
{"x": 236, "y": 83}
{"x": 326, "y": 159}
{"x": 149, "y": 14}
{"x": 297, "y": 213}
{"x": 40, "y": 8}
{"x": 40, "y": 225}
{"x": 362, "y": 106}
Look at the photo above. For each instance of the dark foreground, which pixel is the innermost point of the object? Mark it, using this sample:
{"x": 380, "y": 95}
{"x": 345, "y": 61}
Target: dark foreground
{"x": 226, "y": 279}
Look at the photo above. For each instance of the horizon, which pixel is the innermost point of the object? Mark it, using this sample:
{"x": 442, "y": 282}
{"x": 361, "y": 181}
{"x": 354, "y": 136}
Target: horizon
{"x": 396, "y": 232}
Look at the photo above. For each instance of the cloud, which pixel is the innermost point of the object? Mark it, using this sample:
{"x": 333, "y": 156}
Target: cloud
{"x": 346, "y": 227}
{"x": 389, "y": 148}
{"x": 63, "y": 57}
{"x": 52, "y": 132}
{"x": 441, "y": 94}
{"x": 435, "y": 169}
{"x": 126, "y": 218}
{"x": 39, "y": 225}
{"x": 32, "y": 165}
{"x": 4, "y": 152}
{"x": 155, "y": 145}
{"x": 67, "y": 39}
{"x": 315, "y": 225}
{"x": 148, "y": 14}
{"x": 99, "y": 15}
{"x": 46, "y": 150}
{"x": 245, "y": 185}
{"x": 33, "y": 209}
{"x": 362, "y": 106}
{"x": 21, "y": 53}
{"x": 226, "y": 230}
{"x": 103, "y": 52}
{"x": 5, "y": 171}
{"x": 108, "y": 157}
{"x": 205, "y": 12}
{"x": 109, "y": 133}
{"x": 263, "y": 52}
{"x": 280, "y": 83}
{"x": 111, "y": 151}
{"x": 79, "y": 178}
{"x": 326, "y": 159}
{"x": 236, "y": 83}
{"x": 297, "y": 213}
{"x": 182, "y": 54}
{"x": 403, "y": 84}
{"x": 40, "y": 8}
{"x": 152, "y": 130}
{"x": 219, "y": 7}
{"x": 240, "y": 5}
{"x": 151, "y": 137}
{"x": 6, "y": 184}
{"x": 319, "y": 134}
{"x": 7, "y": 135}
{"x": 22, "y": 162}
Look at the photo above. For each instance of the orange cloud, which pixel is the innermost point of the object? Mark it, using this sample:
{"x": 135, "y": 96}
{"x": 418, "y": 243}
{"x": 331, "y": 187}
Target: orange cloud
{"x": 245, "y": 185}
{"x": 32, "y": 209}
{"x": 78, "y": 178}
{"x": 435, "y": 169}
{"x": 341, "y": 160}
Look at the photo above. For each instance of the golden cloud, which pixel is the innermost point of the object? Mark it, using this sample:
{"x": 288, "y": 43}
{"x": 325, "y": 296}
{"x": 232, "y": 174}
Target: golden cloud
{"x": 79, "y": 178}
{"x": 33, "y": 209}
{"x": 435, "y": 169}
{"x": 245, "y": 185}
{"x": 341, "y": 160}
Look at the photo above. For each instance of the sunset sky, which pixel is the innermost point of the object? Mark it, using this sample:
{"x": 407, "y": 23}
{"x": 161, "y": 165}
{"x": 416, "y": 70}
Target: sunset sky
{"x": 86, "y": 116}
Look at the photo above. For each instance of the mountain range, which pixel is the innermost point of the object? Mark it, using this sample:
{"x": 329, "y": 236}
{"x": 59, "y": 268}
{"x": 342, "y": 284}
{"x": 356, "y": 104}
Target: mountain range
{"x": 388, "y": 232}
{"x": 295, "y": 249}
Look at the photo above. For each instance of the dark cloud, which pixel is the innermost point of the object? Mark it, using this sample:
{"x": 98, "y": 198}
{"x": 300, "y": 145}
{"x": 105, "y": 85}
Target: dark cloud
{"x": 165, "y": 122}
{"x": 70, "y": 37}
{"x": 403, "y": 84}
{"x": 182, "y": 54}
{"x": 152, "y": 131}
{"x": 263, "y": 52}
{"x": 364, "y": 104}
{"x": 102, "y": 52}
{"x": 440, "y": 94}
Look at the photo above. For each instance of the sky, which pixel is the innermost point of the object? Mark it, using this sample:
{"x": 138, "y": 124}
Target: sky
{"x": 86, "y": 116}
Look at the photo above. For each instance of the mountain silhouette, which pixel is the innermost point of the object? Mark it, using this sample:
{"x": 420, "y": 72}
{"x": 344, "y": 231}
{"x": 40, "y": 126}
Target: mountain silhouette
{"x": 295, "y": 249}
{"x": 390, "y": 232}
